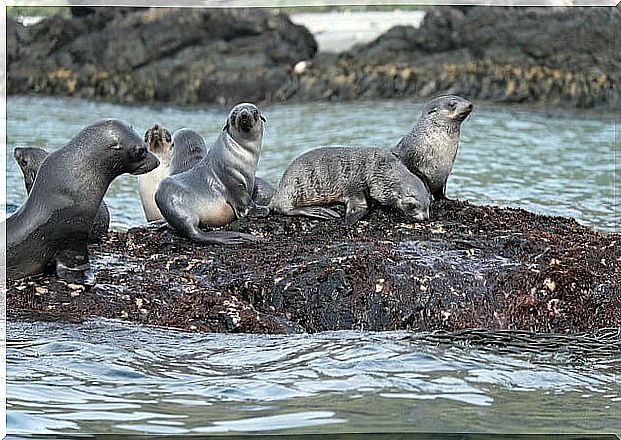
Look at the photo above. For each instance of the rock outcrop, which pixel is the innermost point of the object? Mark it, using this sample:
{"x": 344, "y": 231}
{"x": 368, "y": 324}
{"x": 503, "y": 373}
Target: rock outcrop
{"x": 550, "y": 56}
{"x": 183, "y": 56}
{"x": 470, "y": 267}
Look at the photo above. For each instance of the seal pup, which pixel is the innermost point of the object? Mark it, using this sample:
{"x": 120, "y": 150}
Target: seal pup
{"x": 354, "y": 176}
{"x": 52, "y": 226}
{"x": 429, "y": 149}
{"x": 29, "y": 160}
{"x": 188, "y": 149}
{"x": 218, "y": 189}
{"x": 159, "y": 142}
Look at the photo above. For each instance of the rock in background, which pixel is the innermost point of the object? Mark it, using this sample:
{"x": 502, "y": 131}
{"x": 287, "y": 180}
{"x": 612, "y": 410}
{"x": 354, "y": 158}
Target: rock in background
{"x": 182, "y": 56}
{"x": 549, "y": 56}
{"x": 552, "y": 56}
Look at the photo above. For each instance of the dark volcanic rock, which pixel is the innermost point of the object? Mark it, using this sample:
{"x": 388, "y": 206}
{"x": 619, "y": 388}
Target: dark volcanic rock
{"x": 184, "y": 55}
{"x": 536, "y": 55}
{"x": 471, "y": 267}
{"x": 551, "y": 56}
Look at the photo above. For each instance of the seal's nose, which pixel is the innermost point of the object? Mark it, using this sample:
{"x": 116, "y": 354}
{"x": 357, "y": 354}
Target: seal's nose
{"x": 469, "y": 107}
{"x": 245, "y": 114}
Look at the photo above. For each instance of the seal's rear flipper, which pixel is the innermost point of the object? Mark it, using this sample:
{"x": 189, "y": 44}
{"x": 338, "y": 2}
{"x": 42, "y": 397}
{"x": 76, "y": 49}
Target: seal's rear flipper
{"x": 314, "y": 212}
{"x": 218, "y": 237}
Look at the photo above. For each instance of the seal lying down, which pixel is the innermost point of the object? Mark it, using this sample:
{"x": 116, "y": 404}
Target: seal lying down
{"x": 353, "y": 176}
{"x": 52, "y": 226}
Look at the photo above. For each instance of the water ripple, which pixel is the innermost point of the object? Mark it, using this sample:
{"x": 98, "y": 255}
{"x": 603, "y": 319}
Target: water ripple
{"x": 121, "y": 377}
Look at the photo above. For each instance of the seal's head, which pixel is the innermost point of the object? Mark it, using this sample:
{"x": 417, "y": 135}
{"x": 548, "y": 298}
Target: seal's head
{"x": 189, "y": 141}
{"x": 245, "y": 121}
{"x": 29, "y": 160}
{"x": 448, "y": 108}
{"x": 126, "y": 151}
{"x": 158, "y": 140}
{"x": 412, "y": 197}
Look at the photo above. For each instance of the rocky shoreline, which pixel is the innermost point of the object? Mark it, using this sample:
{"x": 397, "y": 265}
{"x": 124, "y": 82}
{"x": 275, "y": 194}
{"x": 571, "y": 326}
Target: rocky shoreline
{"x": 203, "y": 56}
{"x": 470, "y": 267}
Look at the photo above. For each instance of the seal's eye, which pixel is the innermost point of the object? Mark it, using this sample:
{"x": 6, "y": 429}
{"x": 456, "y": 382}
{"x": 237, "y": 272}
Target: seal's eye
{"x": 452, "y": 104}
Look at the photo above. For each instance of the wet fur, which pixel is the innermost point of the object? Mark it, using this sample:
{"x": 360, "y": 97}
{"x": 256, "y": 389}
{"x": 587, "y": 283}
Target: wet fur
{"x": 429, "y": 149}
{"x": 51, "y": 228}
{"x": 354, "y": 176}
{"x": 30, "y": 159}
{"x": 218, "y": 189}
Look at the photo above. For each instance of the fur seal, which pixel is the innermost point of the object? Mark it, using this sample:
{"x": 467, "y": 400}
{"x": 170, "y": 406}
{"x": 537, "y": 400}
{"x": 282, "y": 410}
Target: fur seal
{"x": 52, "y": 226}
{"x": 218, "y": 189}
{"x": 430, "y": 148}
{"x": 159, "y": 142}
{"x": 353, "y": 176}
{"x": 30, "y": 159}
{"x": 188, "y": 149}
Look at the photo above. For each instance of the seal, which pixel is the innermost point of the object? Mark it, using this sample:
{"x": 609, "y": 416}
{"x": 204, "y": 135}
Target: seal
{"x": 30, "y": 159}
{"x": 429, "y": 149}
{"x": 353, "y": 176}
{"x": 159, "y": 142}
{"x": 218, "y": 189}
{"x": 52, "y": 226}
{"x": 188, "y": 149}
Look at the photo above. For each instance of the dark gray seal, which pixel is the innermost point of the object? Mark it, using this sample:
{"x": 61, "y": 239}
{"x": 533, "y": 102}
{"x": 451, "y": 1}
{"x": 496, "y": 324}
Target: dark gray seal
{"x": 30, "y": 159}
{"x": 159, "y": 142}
{"x": 430, "y": 148}
{"x": 353, "y": 176}
{"x": 52, "y": 226}
{"x": 218, "y": 189}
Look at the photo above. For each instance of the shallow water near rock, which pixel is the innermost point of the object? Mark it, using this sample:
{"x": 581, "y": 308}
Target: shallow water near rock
{"x": 113, "y": 377}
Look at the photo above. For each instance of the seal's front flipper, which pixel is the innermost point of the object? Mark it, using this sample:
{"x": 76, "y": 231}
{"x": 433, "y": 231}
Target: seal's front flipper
{"x": 314, "y": 212}
{"x": 246, "y": 207}
{"x": 356, "y": 208}
{"x": 72, "y": 266}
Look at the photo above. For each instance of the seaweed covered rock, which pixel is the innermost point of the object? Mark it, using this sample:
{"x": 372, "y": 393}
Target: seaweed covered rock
{"x": 183, "y": 55}
{"x": 470, "y": 267}
{"x": 536, "y": 55}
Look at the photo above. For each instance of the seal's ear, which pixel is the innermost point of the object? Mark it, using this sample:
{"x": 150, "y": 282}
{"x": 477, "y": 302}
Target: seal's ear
{"x": 263, "y": 118}
{"x": 226, "y": 126}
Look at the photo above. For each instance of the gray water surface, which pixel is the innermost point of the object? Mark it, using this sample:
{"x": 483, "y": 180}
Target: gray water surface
{"x": 107, "y": 376}
{"x": 112, "y": 377}
{"x": 559, "y": 165}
